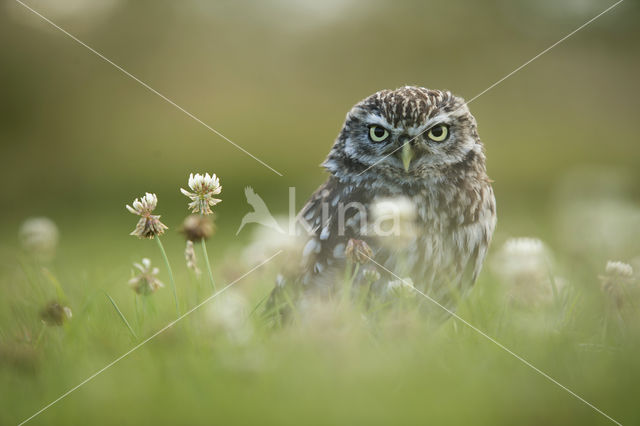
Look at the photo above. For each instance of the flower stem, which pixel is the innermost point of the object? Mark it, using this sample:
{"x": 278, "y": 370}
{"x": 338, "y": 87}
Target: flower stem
{"x": 40, "y": 335}
{"x": 139, "y": 317}
{"x": 264, "y": 298}
{"x": 206, "y": 260}
{"x": 122, "y": 317}
{"x": 166, "y": 261}
{"x": 350, "y": 274}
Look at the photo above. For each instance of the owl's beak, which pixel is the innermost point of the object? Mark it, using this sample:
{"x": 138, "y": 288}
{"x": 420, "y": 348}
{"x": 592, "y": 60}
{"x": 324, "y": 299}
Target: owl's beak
{"x": 407, "y": 156}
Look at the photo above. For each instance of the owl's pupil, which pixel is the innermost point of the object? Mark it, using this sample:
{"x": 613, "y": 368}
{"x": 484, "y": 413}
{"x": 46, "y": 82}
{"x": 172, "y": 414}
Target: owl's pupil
{"x": 437, "y": 131}
{"x": 378, "y": 131}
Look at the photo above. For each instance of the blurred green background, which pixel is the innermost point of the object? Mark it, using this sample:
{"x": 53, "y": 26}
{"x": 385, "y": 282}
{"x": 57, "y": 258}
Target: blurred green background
{"x": 79, "y": 140}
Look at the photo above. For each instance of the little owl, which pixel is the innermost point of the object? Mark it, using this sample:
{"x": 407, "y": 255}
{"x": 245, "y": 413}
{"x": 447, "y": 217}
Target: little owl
{"x": 415, "y": 155}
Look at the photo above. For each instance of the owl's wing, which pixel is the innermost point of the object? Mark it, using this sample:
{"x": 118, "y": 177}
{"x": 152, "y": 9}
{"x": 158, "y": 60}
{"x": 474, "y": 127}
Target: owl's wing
{"x": 333, "y": 214}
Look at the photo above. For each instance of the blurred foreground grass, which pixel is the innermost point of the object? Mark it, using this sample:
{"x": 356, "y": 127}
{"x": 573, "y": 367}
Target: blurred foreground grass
{"x": 334, "y": 365}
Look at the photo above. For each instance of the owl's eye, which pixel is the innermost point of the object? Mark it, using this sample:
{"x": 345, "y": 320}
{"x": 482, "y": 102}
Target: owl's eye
{"x": 378, "y": 134}
{"x": 438, "y": 133}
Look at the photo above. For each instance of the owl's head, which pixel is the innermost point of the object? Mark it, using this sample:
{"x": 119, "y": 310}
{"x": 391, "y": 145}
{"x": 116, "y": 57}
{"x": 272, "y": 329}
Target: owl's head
{"x": 407, "y": 134}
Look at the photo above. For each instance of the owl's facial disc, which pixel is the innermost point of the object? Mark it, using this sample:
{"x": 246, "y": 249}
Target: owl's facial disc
{"x": 408, "y": 134}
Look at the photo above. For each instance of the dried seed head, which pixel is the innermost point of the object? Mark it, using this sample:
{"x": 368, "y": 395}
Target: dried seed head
{"x": 204, "y": 187}
{"x": 149, "y": 225}
{"x": 55, "y": 314}
{"x": 197, "y": 227}
{"x": 146, "y": 282}
{"x": 357, "y": 251}
{"x": 190, "y": 257}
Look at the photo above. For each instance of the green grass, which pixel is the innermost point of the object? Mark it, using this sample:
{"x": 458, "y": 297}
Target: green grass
{"x": 339, "y": 365}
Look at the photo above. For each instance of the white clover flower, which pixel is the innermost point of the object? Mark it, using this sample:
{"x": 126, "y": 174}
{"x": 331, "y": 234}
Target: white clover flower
{"x": 401, "y": 207}
{"x": 370, "y": 275}
{"x": 394, "y": 221}
{"x": 39, "y": 236}
{"x": 229, "y": 314}
{"x": 266, "y": 241}
{"x": 522, "y": 264}
{"x": 146, "y": 282}
{"x": 619, "y": 284}
{"x": 620, "y": 269}
{"x": 524, "y": 246}
{"x": 190, "y": 257}
{"x": 204, "y": 187}
{"x": 149, "y": 225}
{"x": 145, "y": 205}
{"x": 402, "y": 287}
{"x": 522, "y": 256}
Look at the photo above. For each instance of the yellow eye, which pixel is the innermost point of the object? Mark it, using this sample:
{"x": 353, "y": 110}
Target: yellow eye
{"x": 438, "y": 133}
{"x": 378, "y": 134}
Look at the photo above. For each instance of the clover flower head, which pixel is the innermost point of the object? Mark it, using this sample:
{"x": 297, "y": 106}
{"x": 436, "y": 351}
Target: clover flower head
{"x": 39, "y": 236}
{"x": 228, "y": 314}
{"x": 145, "y": 205}
{"x": 190, "y": 257}
{"x": 522, "y": 257}
{"x": 55, "y": 314}
{"x": 394, "y": 221}
{"x": 203, "y": 188}
{"x": 267, "y": 240}
{"x": 524, "y": 246}
{"x": 524, "y": 266}
{"x": 146, "y": 282}
{"x": 401, "y": 287}
{"x": 620, "y": 269}
{"x": 357, "y": 251}
{"x": 389, "y": 207}
{"x": 619, "y": 284}
{"x": 370, "y": 275}
{"x": 149, "y": 225}
{"x": 197, "y": 227}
